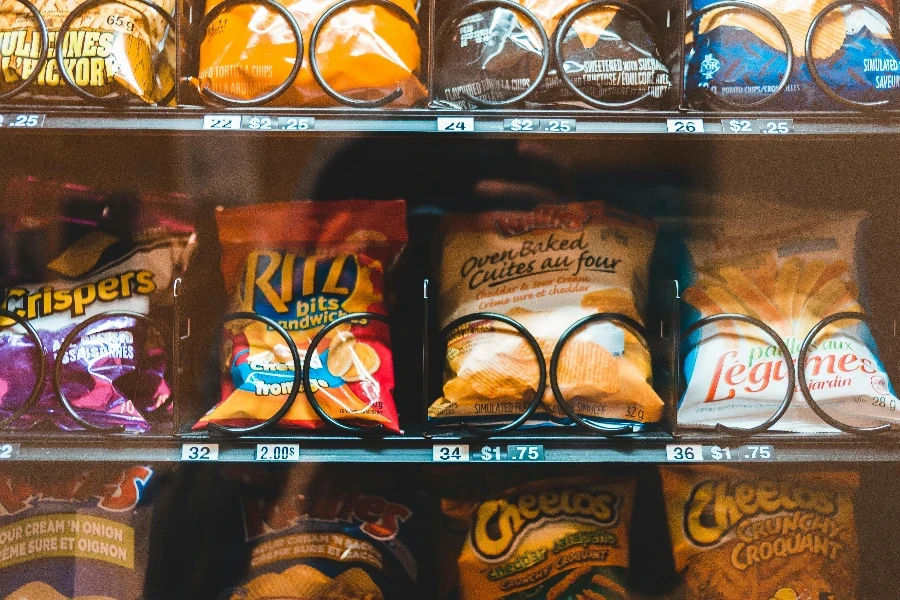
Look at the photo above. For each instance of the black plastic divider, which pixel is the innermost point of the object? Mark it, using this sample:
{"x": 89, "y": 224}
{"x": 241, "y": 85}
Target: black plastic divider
{"x": 210, "y": 97}
{"x": 552, "y": 49}
{"x": 152, "y": 417}
{"x": 113, "y": 99}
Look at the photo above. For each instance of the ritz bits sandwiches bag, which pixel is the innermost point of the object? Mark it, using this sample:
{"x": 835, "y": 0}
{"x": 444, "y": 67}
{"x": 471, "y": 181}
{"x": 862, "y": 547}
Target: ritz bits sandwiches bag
{"x": 120, "y": 48}
{"x": 365, "y": 52}
{"x": 738, "y": 535}
{"x": 337, "y": 538}
{"x": 789, "y": 276}
{"x": 69, "y": 534}
{"x": 557, "y": 539}
{"x": 546, "y": 269}
{"x": 312, "y": 263}
{"x": 71, "y": 254}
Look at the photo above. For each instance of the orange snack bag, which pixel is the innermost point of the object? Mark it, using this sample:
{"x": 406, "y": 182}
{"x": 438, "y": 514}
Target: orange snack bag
{"x": 365, "y": 52}
{"x": 312, "y": 263}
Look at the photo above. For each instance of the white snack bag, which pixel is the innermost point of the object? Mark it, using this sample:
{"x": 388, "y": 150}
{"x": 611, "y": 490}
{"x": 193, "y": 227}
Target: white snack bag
{"x": 790, "y": 276}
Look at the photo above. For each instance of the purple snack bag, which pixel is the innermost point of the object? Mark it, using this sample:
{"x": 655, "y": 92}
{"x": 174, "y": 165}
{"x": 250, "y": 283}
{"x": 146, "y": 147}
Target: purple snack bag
{"x": 94, "y": 282}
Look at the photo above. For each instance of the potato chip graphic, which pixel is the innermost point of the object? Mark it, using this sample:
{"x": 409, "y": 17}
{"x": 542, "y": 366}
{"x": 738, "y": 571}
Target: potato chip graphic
{"x": 340, "y": 353}
{"x": 305, "y": 581}
{"x": 268, "y": 586}
{"x": 36, "y": 590}
{"x": 353, "y": 584}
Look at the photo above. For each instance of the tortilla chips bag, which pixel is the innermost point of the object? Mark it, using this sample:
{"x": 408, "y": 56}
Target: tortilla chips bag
{"x": 336, "y": 538}
{"x": 739, "y": 55}
{"x": 114, "y": 48}
{"x": 738, "y": 535}
{"x": 554, "y": 540}
{"x": 73, "y": 254}
{"x": 365, "y": 52}
{"x": 312, "y": 263}
{"x": 790, "y": 276}
{"x": 546, "y": 269}
{"x": 80, "y": 534}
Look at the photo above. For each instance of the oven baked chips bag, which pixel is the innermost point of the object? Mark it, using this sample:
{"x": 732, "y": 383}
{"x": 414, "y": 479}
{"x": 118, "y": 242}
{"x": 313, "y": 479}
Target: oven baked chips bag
{"x": 739, "y": 55}
{"x": 789, "y": 275}
{"x": 311, "y": 263}
{"x": 68, "y": 262}
{"x": 546, "y": 269}
{"x": 740, "y": 535}
{"x": 113, "y": 48}
{"x": 365, "y": 52}
{"x": 557, "y": 539}
{"x": 74, "y": 534}
{"x": 336, "y": 538}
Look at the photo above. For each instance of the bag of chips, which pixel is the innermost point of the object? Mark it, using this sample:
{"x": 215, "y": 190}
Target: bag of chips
{"x": 78, "y": 534}
{"x": 554, "y": 540}
{"x": 546, "y": 269}
{"x": 495, "y": 54}
{"x": 740, "y": 535}
{"x": 364, "y": 52}
{"x": 116, "y": 48}
{"x": 739, "y": 55}
{"x": 312, "y": 263}
{"x": 335, "y": 538}
{"x": 789, "y": 275}
{"x": 72, "y": 255}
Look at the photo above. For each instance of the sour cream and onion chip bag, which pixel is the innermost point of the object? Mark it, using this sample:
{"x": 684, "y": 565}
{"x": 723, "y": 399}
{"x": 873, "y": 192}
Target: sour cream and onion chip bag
{"x": 311, "y": 263}
{"x": 790, "y": 276}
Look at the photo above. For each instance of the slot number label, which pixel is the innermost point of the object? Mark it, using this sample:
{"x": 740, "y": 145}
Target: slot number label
{"x": 450, "y": 453}
{"x": 277, "y": 452}
{"x": 684, "y": 125}
{"x": 221, "y": 122}
{"x": 684, "y": 453}
{"x": 27, "y": 121}
{"x": 456, "y": 124}
{"x": 9, "y": 451}
{"x": 199, "y": 452}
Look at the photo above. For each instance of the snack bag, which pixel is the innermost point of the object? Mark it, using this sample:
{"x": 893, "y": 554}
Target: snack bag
{"x": 790, "y": 276}
{"x": 365, "y": 52}
{"x": 313, "y": 263}
{"x": 116, "y": 48}
{"x": 326, "y": 539}
{"x": 76, "y": 261}
{"x": 738, "y": 535}
{"x": 739, "y": 55}
{"x": 495, "y": 54}
{"x": 546, "y": 269}
{"x": 79, "y": 534}
{"x": 553, "y": 540}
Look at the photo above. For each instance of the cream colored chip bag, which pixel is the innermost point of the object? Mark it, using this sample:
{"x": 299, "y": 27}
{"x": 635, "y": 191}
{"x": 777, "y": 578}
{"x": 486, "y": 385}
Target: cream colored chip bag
{"x": 546, "y": 269}
{"x": 789, "y": 276}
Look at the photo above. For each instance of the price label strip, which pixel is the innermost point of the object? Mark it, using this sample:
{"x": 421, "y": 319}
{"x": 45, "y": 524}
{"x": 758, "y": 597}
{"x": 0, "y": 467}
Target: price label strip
{"x": 22, "y": 121}
{"x": 540, "y": 125}
{"x": 698, "y": 453}
{"x": 199, "y": 452}
{"x": 264, "y": 123}
{"x": 9, "y": 451}
{"x": 739, "y": 126}
{"x": 511, "y": 453}
{"x": 277, "y": 452}
{"x": 450, "y": 453}
{"x": 775, "y": 126}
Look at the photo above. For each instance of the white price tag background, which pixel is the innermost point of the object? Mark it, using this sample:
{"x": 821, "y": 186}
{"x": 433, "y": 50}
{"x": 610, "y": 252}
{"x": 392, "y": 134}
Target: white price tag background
{"x": 199, "y": 452}
{"x": 684, "y": 125}
{"x": 221, "y": 122}
{"x": 450, "y": 453}
{"x": 457, "y": 124}
{"x": 684, "y": 453}
{"x": 278, "y": 452}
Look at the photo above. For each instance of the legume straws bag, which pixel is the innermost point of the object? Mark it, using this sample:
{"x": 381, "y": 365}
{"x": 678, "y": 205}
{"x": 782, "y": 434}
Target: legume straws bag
{"x": 311, "y": 263}
{"x": 73, "y": 254}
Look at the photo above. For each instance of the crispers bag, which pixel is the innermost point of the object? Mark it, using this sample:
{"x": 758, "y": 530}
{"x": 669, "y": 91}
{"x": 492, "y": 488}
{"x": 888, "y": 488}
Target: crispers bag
{"x": 308, "y": 264}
